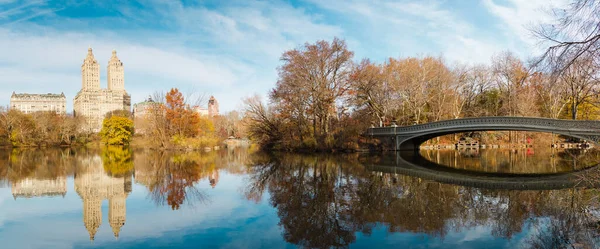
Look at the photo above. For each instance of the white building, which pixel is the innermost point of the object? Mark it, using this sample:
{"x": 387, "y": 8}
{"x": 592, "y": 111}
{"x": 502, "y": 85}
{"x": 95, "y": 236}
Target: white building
{"x": 29, "y": 103}
{"x": 93, "y": 102}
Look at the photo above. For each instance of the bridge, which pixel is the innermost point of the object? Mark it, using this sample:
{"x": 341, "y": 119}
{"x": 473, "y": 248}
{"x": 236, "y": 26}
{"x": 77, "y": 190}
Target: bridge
{"x": 411, "y": 137}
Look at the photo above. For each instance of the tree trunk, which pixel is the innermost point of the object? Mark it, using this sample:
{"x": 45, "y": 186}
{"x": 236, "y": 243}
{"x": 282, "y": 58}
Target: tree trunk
{"x": 574, "y": 110}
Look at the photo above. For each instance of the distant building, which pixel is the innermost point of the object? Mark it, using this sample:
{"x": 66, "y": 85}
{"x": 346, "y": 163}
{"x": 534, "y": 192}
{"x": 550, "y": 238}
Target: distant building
{"x": 141, "y": 109}
{"x": 94, "y": 103}
{"x": 213, "y": 107}
{"x": 211, "y": 111}
{"x": 201, "y": 110}
{"x": 29, "y": 103}
{"x": 33, "y": 187}
{"x": 213, "y": 178}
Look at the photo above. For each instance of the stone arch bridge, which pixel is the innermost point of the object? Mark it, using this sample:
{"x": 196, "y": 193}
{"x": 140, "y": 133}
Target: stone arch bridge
{"x": 411, "y": 137}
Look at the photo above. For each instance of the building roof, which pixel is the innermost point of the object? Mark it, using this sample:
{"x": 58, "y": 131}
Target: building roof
{"x": 38, "y": 95}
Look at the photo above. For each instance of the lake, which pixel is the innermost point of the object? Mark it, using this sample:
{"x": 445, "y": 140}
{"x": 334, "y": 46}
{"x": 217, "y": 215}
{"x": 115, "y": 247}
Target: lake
{"x": 131, "y": 198}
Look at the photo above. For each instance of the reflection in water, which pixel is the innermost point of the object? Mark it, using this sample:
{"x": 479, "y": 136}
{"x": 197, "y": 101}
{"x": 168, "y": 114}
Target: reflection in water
{"x": 320, "y": 201}
{"x": 539, "y": 160}
{"x": 94, "y": 185}
{"x": 323, "y": 202}
{"x": 171, "y": 179}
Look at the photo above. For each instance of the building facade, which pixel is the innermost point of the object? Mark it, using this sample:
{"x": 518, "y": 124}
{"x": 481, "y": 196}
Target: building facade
{"x": 93, "y": 102}
{"x": 201, "y": 110}
{"x": 34, "y": 187}
{"x": 141, "y": 109}
{"x": 29, "y": 103}
{"x": 213, "y": 107}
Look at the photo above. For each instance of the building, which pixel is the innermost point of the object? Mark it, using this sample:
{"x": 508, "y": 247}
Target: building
{"x": 201, "y": 110}
{"x": 213, "y": 107}
{"x": 93, "y": 185}
{"x": 29, "y": 103}
{"x": 141, "y": 109}
{"x": 93, "y": 102}
{"x": 34, "y": 187}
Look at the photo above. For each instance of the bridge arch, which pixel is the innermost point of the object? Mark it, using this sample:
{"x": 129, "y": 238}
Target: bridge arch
{"x": 411, "y": 137}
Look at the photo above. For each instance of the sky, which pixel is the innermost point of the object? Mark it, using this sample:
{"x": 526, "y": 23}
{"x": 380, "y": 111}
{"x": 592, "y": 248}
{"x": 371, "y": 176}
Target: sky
{"x": 231, "y": 49}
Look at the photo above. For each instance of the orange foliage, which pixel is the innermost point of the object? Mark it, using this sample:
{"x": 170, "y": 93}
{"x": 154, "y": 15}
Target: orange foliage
{"x": 183, "y": 120}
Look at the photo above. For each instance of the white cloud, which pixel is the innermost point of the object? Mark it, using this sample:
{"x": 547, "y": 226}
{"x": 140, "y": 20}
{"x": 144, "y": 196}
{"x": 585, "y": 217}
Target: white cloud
{"x": 519, "y": 18}
{"x": 230, "y": 52}
{"x": 418, "y": 28}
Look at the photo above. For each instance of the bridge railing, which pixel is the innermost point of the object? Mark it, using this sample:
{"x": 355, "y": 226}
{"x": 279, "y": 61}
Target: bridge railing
{"x": 520, "y": 121}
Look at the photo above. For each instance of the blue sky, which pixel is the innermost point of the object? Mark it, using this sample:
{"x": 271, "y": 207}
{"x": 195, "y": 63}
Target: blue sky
{"x": 231, "y": 49}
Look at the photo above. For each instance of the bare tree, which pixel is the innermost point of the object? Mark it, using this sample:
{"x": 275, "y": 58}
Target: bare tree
{"x": 510, "y": 76}
{"x": 575, "y": 33}
{"x": 581, "y": 83}
{"x": 263, "y": 126}
{"x": 468, "y": 84}
{"x": 550, "y": 95}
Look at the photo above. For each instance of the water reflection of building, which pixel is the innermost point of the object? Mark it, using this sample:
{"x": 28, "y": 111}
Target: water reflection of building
{"x": 32, "y": 187}
{"x": 93, "y": 186}
{"x": 213, "y": 178}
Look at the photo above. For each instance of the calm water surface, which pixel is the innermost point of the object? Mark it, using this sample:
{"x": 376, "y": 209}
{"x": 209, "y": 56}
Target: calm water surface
{"x": 123, "y": 198}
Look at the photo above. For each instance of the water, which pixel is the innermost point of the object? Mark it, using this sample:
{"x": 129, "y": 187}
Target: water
{"x": 121, "y": 198}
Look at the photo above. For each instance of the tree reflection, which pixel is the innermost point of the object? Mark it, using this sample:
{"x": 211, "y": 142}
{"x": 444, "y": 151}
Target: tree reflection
{"x": 171, "y": 179}
{"x": 117, "y": 160}
{"x": 18, "y": 164}
{"x": 323, "y": 201}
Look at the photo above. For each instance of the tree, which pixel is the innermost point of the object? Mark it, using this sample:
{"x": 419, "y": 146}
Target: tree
{"x": 313, "y": 80}
{"x": 184, "y": 121}
{"x": 372, "y": 91}
{"x": 581, "y": 83}
{"x": 116, "y": 130}
{"x": 263, "y": 126}
{"x": 468, "y": 84}
{"x": 574, "y": 34}
{"x": 551, "y": 99}
{"x": 510, "y": 76}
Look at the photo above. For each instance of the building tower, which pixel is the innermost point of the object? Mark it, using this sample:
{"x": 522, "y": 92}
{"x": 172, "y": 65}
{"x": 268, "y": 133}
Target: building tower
{"x": 92, "y": 215}
{"x": 213, "y": 107}
{"x": 115, "y": 73}
{"x": 116, "y": 212}
{"x": 93, "y": 102}
{"x": 94, "y": 185}
{"x": 90, "y": 72}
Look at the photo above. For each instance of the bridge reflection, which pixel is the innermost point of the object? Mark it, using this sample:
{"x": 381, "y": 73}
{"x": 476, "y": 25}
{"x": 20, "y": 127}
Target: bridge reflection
{"x": 415, "y": 165}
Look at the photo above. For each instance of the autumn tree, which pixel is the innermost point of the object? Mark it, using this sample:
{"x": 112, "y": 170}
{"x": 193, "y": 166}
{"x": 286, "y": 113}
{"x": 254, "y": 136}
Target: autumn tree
{"x": 313, "y": 81}
{"x": 183, "y": 121}
{"x": 370, "y": 89}
{"x": 117, "y": 130}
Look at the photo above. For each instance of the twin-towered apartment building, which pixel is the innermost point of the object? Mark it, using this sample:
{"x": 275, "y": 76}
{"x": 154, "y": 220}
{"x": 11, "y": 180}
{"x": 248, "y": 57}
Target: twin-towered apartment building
{"x": 92, "y": 101}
